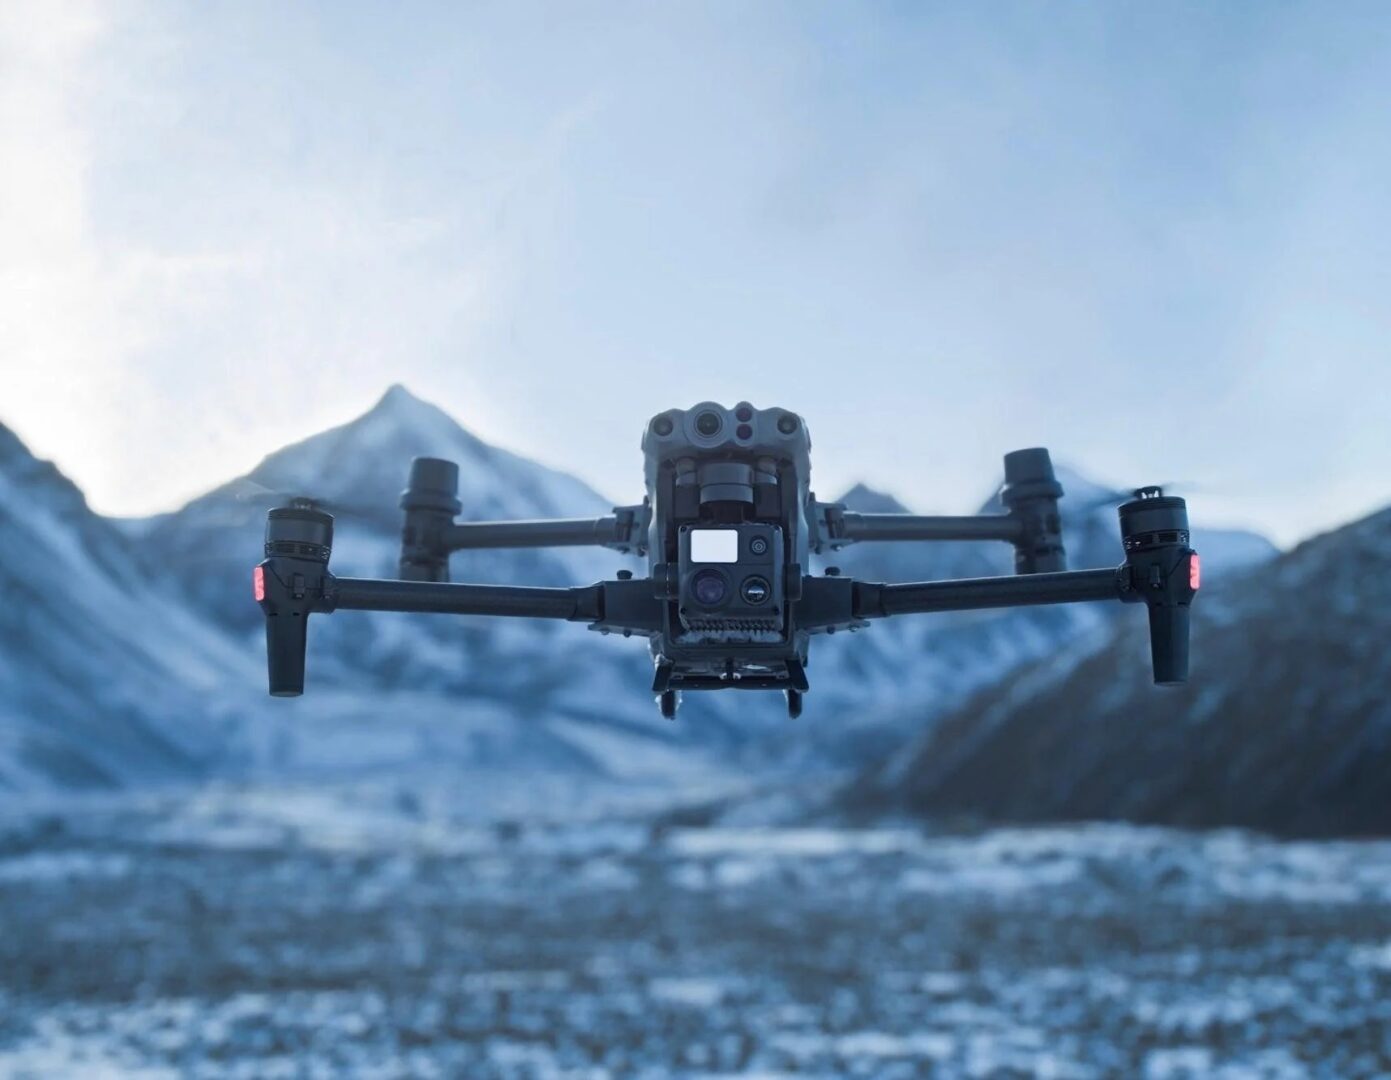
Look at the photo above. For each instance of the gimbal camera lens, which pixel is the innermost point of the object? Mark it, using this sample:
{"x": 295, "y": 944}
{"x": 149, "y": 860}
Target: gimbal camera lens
{"x": 709, "y": 423}
{"x": 709, "y": 588}
{"x": 755, "y": 590}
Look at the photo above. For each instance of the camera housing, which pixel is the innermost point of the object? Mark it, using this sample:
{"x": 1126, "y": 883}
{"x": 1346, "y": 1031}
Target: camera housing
{"x": 733, "y": 599}
{"x": 729, "y": 535}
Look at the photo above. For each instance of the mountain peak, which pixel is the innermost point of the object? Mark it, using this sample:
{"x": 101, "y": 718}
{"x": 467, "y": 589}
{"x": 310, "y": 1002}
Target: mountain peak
{"x": 366, "y": 458}
{"x": 399, "y": 402}
{"x": 362, "y": 465}
{"x": 403, "y": 420}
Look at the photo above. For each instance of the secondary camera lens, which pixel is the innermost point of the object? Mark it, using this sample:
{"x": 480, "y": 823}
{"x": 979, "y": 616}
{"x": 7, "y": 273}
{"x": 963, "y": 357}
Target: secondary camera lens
{"x": 709, "y": 588}
{"x": 662, "y": 425}
{"x": 787, "y": 423}
{"x": 758, "y": 545}
{"x": 754, "y": 590}
{"x": 709, "y": 423}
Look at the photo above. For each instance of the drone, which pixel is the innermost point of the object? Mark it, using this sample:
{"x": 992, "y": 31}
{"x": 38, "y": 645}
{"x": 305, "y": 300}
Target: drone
{"x": 728, "y": 526}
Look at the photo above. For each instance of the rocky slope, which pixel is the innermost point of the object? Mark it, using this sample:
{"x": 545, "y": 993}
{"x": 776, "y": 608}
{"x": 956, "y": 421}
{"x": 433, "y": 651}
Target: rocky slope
{"x": 1284, "y": 726}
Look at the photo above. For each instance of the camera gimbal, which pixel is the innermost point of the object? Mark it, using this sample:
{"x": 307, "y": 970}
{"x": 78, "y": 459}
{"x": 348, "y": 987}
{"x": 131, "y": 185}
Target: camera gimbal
{"x": 728, "y": 526}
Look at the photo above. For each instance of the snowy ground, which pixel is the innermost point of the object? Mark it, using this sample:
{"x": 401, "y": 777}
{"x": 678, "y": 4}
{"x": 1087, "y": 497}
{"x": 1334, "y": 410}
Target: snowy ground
{"x": 405, "y": 932}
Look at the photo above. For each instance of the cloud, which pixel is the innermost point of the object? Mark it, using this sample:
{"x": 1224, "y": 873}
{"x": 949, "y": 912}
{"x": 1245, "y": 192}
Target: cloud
{"x": 59, "y": 305}
{"x": 1149, "y": 238}
{"x": 176, "y": 300}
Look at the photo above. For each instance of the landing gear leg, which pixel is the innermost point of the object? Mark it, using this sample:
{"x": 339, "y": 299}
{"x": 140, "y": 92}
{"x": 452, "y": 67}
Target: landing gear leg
{"x": 668, "y": 701}
{"x": 794, "y": 703}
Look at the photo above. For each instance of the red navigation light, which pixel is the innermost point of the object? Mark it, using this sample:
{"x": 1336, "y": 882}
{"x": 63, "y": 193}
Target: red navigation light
{"x": 258, "y": 583}
{"x": 1195, "y": 573}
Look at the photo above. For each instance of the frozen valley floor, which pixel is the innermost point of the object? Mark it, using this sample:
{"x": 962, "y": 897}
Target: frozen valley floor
{"x": 301, "y": 933}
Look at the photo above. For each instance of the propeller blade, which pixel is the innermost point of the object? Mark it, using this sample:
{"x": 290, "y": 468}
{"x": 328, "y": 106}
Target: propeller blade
{"x": 249, "y": 499}
{"x": 246, "y": 490}
{"x": 1116, "y": 496}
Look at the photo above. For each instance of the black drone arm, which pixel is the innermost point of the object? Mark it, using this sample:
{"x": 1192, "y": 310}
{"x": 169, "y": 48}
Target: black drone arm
{"x": 1167, "y": 594}
{"x": 610, "y": 531}
{"x": 1032, "y": 525}
{"x": 876, "y": 601}
{"x": 430, "y": 534}
{"x": 444, "y": 598}
{"x": 294, "y": 582}
{"x": 849, "y": 527}
{"x": 625, "y": 606}
{"x": 1160, "y": 571}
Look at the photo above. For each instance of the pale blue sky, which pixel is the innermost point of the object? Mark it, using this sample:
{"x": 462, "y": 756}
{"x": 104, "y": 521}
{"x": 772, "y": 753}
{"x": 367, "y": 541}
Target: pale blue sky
{"x": 1156, "y": 238}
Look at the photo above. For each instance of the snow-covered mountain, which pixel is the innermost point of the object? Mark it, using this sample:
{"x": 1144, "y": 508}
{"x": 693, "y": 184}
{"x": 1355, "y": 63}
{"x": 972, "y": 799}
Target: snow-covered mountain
{"x": 534, "y": 691}
{"x": 106, "y": 675}
{"x": 131, "y": 652}
{"x": 358, "y": 469}
{"x": 1285, "y": 724}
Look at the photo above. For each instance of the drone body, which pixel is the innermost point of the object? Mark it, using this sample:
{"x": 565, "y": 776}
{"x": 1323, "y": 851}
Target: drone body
{"x": 728, "y": 526}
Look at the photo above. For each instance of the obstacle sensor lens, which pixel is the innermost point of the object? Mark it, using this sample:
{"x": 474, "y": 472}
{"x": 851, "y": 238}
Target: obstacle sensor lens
{"x": 709, "y": 423}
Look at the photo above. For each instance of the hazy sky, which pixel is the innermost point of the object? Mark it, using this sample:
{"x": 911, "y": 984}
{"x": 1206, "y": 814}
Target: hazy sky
{"x": 1154, "y": 237}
